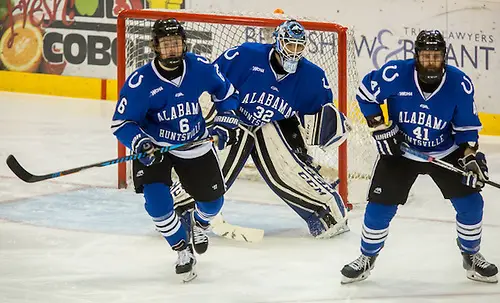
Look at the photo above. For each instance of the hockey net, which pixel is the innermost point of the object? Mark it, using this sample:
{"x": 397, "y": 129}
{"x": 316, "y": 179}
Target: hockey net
{"x": 331, "y": 46}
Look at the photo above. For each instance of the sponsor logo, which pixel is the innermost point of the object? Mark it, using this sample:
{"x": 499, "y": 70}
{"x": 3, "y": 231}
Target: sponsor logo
{"x": 257, "y": 69}
{"x": 156, "y": 90}
{"x": 405, "y": 94}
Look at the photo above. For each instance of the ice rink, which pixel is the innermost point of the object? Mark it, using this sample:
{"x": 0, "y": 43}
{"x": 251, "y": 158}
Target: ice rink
{"x": 78, "y": 239}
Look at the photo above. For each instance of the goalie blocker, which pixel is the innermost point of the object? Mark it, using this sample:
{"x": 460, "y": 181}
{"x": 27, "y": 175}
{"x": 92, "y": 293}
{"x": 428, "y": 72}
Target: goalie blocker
{"x": 280, "y": 155}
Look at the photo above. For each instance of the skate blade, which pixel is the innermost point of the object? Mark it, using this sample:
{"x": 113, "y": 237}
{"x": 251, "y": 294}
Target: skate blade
{"x": 188, "y": 276}
{"x": 472, "y": 275}
{"x": 346, "y": 280}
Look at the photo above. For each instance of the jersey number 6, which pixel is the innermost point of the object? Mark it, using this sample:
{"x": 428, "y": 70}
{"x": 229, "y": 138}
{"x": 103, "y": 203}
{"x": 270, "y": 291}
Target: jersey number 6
{"x": 121, "y": 105}
{"x": 184, "y": 125}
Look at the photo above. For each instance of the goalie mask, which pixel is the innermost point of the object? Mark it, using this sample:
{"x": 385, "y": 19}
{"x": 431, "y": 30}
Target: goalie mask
{"x": 290, "y": 43}
{"x": 430, "y": 51}
{"x": 168, "y": 40}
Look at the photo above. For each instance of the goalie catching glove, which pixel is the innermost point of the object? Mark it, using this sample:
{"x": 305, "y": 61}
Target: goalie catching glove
{"x": 145, "y": 145}
{"x": 225, "y": 128}
{"x": 328, "y": 128}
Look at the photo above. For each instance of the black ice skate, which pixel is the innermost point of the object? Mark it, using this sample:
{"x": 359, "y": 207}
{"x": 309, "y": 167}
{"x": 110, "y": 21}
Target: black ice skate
{"x": 199, "y": 235}
{"x": 185, "y": 265}
{"x": 478, "y": 269}
{"x": 358, "y": 270}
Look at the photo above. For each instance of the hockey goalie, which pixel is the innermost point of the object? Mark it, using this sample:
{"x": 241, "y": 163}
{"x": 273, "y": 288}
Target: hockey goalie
{"x": 285, "y": 105}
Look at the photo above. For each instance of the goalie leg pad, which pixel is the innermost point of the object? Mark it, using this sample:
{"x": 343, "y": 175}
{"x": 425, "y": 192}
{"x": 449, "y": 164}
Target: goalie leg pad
{"x": 298, "y": 184}
{"x": 328, "y": 128}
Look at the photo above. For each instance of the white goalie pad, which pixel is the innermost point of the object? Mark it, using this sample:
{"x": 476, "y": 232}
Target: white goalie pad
{"x": 328, "y": 128}
{"x": 294, "y": 181}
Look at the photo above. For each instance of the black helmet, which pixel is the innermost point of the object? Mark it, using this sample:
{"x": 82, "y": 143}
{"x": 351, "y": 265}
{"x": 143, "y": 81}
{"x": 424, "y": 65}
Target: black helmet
{"x": 164, "y": 28}
{"x": 430, "y": 40}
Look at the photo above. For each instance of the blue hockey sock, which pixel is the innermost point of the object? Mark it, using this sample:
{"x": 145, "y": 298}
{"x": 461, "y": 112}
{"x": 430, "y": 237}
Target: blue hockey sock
{"x": 469, "y": 221}
{"x": 205, "y": 211}
{"x": 376, "y": 227}
{"x": 160, "y": 206}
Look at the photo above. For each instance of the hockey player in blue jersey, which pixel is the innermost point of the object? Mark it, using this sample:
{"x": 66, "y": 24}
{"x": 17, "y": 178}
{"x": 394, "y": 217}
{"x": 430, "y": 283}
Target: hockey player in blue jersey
{"x": 431, "y": 108}
{"x": 280, "y": 91}
{"x": 159, "y": 106}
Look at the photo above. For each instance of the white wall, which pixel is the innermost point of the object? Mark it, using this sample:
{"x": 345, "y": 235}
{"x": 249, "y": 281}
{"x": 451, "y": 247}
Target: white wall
{"x": 472, "y": 28}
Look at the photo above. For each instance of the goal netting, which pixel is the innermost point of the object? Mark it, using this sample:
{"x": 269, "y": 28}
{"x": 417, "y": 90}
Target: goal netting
{"x": 330, "y": 45}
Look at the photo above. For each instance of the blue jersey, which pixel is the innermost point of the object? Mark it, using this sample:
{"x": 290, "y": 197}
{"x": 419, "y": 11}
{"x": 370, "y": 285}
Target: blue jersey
{"x": 434, "y": 123}
{"x": 264, "y": 95}
{"x": 168, "y": 111}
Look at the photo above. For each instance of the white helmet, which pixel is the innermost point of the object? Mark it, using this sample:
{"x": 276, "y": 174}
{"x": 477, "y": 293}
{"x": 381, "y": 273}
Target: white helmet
{"x": 290, "y": 43}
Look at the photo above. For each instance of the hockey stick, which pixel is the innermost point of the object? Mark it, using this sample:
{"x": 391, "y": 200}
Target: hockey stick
{"x": 234, "y": 232}
{"x": 407, "y": 149}
{"x": 26, "y": 176}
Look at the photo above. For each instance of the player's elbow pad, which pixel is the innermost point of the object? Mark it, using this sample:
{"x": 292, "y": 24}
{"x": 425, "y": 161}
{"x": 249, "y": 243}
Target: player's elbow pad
{"x": 327, "y": 128}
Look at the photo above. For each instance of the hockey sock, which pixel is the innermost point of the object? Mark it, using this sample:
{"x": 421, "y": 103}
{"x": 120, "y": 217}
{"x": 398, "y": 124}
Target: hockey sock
{"x": 469, "y": 221}
{"x": 204, "y": 211}
{"x": 160, "y": 206}
{"x": 376, "y": 227}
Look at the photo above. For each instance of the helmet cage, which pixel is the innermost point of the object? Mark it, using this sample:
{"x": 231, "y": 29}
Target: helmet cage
{"x": 166, "y": 28}
{"x": 290, "y": 43}
{"x": 430, "y": 41}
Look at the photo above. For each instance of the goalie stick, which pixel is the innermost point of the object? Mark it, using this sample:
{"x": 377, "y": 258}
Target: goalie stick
{"x": 234, "y": 232}
{"x": 407, "y": 149}
{"x": 28, "y": 177}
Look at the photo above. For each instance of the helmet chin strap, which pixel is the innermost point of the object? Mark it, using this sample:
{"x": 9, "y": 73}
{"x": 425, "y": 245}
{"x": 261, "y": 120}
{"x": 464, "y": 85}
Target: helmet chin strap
{"x": 170, "y": 63}
{"x": 430, "y": 77}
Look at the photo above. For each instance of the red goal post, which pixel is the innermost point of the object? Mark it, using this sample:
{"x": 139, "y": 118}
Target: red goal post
{"x": 213, "y": 21}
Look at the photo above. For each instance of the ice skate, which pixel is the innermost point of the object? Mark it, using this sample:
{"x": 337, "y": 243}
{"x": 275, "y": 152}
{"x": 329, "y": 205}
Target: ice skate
{"x": 358, "y": 270}
{"x": 478, "y": 269}
{"x": 185, "y": 265}
{"x": 199, "y": 235}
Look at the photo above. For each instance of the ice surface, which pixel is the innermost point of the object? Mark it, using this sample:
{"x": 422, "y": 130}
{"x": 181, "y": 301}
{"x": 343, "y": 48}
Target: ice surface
{"x": 77, "y": 239}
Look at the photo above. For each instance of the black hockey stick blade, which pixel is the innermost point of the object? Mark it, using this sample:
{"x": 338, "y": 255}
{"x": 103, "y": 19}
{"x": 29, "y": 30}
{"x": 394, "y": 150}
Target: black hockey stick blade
{"x": 20, "y": 172}
{"x": 28, "y": 177}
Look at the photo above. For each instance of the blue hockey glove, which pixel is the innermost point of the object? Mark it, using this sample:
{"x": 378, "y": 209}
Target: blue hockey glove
{"x": 388, "y": 139}
{"x": 145, "y": 145}
{"x": 225, "y": 128}
{"x": 477, "y": 170}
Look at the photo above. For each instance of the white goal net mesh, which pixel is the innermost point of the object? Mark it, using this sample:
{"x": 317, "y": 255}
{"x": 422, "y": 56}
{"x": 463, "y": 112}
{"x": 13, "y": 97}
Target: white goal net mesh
{"x": 211, "y": 39}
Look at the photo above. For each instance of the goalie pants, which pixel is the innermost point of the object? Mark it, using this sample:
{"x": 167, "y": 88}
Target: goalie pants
{"x": 273, "y": 150}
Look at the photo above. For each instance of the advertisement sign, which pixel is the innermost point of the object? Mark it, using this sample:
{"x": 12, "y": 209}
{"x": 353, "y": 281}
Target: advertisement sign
{"x": 64, "y": 37}
{"x": 386, "y": 30}
{"x": 78, "y": 37}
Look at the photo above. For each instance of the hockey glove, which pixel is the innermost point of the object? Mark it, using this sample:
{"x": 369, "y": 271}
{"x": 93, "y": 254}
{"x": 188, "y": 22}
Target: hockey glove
{"x": 225, "y": 128}
{"x": 388, "y": 139}
{"x": 145, "y": 145}
{"x": 476, "y": 168}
